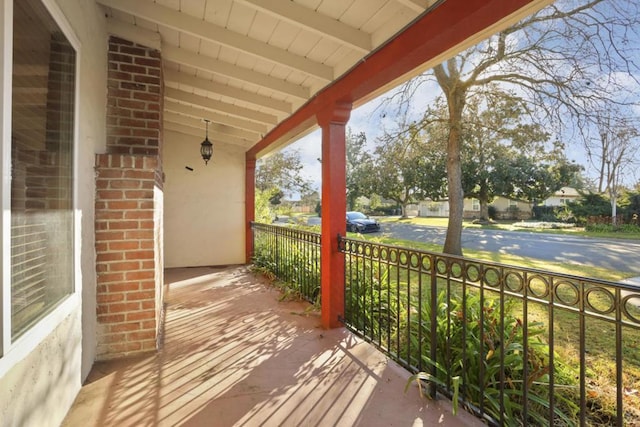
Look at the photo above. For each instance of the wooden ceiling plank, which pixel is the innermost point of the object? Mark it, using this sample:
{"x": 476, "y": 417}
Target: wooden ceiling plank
{"x": 200, "y": 111}
{"x": 416, "y": 5}
{"x": 228, "y": 91}
{"x": 223, "y": 107}
{"x": 199, "y": 133}
{"x": 134, "y": 33}
{"x": 214, "y": 127}
{"x": 182, "y": 22}
{"x": 316, "y": 22}
{"x": 206, "y": 63}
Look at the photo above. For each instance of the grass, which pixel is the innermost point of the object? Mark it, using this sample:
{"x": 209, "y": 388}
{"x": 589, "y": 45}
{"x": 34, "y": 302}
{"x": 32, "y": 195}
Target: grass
{"x": 511, "y": 226}
{"x": 515, "y": 260}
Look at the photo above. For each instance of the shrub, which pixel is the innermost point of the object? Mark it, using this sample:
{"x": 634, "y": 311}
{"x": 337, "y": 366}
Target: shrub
{"x": 470, "y": 339}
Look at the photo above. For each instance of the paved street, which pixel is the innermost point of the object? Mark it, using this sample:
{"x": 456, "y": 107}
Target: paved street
{"x": 618, "y": 255}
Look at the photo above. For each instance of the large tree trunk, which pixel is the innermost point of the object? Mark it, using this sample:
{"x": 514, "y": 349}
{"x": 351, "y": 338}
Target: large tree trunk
{"x": 456, "y": 94}
{"x": 484, "y": 209}
{"x": 403, "y": 207}
{"x": 452, "y": 243}
{"x": 453, "y": 240}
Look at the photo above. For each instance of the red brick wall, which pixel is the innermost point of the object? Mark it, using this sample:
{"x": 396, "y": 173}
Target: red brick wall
{"x": 134, "y": 109}
{"x": 125, "y": 254}
{"x": 128, "y": 229}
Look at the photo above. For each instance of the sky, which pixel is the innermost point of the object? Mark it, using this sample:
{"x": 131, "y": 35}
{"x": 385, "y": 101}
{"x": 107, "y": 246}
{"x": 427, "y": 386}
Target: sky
{"x": 369, "y": 119}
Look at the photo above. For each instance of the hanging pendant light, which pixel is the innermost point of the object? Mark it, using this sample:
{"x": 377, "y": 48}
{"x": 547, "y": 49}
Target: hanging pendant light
{"x": 206, "y": 148}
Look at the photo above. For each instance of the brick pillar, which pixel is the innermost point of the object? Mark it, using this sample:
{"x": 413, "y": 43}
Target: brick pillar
{"x": 129, "y": 205}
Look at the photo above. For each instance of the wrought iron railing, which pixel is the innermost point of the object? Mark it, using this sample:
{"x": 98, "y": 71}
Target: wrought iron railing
{"x": 291, "y": 254}
{"x": 526, "y": 347}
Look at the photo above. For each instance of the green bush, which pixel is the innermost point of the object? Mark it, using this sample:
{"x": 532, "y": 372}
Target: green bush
{"x": 609, "y": 228}
{"x": 470, "y": 347}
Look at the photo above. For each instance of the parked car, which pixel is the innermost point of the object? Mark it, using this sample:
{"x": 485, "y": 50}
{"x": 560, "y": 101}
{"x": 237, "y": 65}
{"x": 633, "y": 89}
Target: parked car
{"x": 360, "y": 223}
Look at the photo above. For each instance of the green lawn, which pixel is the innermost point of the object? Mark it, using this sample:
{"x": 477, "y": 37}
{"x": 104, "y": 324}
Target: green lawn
{"x": 512, "y": 226}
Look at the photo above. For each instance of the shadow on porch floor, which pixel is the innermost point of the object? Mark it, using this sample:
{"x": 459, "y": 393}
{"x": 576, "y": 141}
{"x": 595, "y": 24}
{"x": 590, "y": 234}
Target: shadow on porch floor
{"x": 233, "y": 355}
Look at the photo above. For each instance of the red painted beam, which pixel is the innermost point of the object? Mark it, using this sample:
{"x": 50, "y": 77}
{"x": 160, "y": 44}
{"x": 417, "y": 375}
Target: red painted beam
{"x": 250, "y": 205}
{"x": 436, "y": 32}
{"x": 334, "y": 202}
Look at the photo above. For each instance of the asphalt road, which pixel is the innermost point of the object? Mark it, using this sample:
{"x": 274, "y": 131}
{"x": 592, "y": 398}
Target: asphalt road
{"x": 613, "y": 254}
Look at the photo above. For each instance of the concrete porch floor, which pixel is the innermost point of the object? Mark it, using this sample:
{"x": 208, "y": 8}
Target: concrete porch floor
{"x": 233, "y": 355}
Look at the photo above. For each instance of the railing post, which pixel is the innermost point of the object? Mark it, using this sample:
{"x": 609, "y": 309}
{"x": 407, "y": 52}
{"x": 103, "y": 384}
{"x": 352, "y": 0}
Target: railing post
{"x": 433, "y": 351}
{"x": 333, "y": 122}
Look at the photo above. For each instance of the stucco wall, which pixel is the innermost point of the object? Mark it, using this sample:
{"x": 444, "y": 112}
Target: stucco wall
{"x": 203, "y": 208}
{"x": 38, "y": 386}
{"x": 89, "y": 24}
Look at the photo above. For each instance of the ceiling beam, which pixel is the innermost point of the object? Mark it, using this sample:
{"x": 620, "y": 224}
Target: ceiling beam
{"x": 416, "y": 5}
{"x": 228, "y": 91}
{"x": 199, "y": 133}
{"x": 214, "y": 128}
{"x": 223, "y": 107}
{"x": 211, "y": 65}
{"x": 315, "y": 22}
{"x": 134, "y": 34}
{"x": 182, "y": 22}
{"x": 201, "y": 112}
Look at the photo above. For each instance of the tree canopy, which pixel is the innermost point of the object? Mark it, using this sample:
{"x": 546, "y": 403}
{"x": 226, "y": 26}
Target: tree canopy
{"x": 564, "y": 60}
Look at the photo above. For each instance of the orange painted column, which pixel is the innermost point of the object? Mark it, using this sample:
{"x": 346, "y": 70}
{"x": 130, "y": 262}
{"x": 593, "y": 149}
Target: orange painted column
{"x": 250, "y": 205}
{"x": 334, "y": 203}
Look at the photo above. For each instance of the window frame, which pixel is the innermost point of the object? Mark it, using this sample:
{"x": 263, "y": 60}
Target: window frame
{"x": 13, "y": 351}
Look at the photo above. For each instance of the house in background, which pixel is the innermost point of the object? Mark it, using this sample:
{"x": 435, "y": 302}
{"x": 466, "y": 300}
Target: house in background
{"x": 562, "y": 196}
{"x": 104, "y": 185}
{"x": 507, "y": 209}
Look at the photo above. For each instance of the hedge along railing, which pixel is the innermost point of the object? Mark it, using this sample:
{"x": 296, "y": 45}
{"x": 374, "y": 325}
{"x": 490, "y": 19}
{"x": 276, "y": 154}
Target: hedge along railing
{"x": 514, "y": 339}
{"x": 292, "y": 255}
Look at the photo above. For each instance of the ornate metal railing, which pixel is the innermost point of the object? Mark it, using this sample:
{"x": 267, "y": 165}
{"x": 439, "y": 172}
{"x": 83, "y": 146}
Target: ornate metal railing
{"x": 291, "y": 254}
{"x": 522, "y": 346}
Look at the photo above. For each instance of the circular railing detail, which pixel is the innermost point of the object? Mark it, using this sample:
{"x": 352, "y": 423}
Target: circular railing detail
{"x": 473, "y": 273}
{"x": 514, "y": 281}
{"x": 567, "y": 293}
{"x": 538, "y": 286}
{"x": 631, "y": 307}
{"x": 441, "y": 266}
{"x": 599, "y": 299}
{"x": 414, "y": 260}
{"x": 491, "y": 277}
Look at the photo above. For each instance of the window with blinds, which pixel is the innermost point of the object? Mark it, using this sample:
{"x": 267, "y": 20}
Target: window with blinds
{"x": 44, "y": 68}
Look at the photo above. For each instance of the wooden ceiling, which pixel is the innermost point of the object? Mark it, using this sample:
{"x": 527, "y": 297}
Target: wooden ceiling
{"x": 249, "y": 65}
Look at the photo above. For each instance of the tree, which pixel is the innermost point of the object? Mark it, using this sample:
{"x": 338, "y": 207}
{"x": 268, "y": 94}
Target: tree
{"x": 613, "y": 151}
{"x": 282, "y": 171}
{"x": 358, "y": 167}
{"x": 561, "y": 58}
{"x": 504, "y": 155}
{"x": 279, "y": 173}
{"x": 405, "y": 170}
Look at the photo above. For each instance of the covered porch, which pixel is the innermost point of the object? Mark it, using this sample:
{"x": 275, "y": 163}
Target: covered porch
{"x": 234, "y": 354}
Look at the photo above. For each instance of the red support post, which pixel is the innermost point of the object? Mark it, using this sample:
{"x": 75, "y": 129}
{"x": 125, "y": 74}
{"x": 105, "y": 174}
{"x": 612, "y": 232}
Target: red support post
{"x": 334, "y": 204}
{"x": 250, "y": 205}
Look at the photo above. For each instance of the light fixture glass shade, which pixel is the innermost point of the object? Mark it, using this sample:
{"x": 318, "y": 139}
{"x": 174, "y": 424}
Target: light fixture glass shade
{"x": 206, "y": 150}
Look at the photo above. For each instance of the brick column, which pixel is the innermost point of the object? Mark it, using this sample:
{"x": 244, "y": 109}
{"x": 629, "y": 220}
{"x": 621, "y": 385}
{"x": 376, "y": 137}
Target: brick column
{"x": 129, "y": 205}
